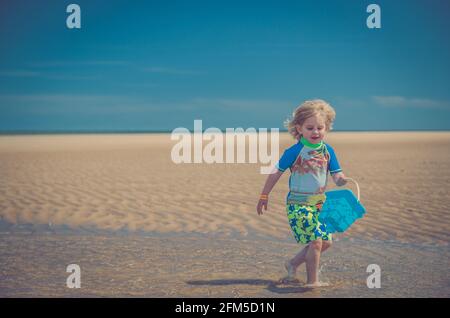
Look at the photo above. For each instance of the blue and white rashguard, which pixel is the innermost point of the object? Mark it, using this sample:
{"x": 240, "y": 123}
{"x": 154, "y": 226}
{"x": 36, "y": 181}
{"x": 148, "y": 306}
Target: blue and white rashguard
{"x": 309, "y": 165}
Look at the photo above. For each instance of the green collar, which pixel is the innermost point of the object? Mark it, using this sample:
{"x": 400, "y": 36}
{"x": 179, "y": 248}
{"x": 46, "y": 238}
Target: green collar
{"x": 305, "y": 142}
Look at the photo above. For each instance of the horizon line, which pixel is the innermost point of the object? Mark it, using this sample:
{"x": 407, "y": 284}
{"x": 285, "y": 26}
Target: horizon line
{"x": 156, "y": 131}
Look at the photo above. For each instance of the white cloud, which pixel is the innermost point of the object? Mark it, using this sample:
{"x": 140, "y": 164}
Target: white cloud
{"x": 79, "y": 63}
{"x": 349, "y": 102}
{"x": 170, "y": 71}
{"x": 401, "y": 101}
{"x": 19, "y": 73}
{"x": 73, "y": 103}
{"x": 46, "y": 75}
{"x": 243, "y": 104}
{"x": 104, "y": 104}
{"x": 58, "y": 98}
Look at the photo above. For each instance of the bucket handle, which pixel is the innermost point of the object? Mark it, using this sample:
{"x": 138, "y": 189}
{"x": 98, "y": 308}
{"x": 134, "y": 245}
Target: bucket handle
{"x": 357, "y": 185}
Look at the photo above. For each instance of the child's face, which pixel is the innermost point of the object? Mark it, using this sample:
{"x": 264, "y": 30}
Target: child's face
{"x": 313, "y": 129}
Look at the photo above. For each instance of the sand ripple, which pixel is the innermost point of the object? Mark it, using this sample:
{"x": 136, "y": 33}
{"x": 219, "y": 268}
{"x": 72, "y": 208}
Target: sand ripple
{"x": 117, "y": 182}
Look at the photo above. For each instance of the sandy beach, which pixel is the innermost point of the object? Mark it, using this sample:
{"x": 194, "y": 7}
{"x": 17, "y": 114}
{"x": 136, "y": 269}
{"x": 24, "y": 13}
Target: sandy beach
{"x": 140, "y": 225}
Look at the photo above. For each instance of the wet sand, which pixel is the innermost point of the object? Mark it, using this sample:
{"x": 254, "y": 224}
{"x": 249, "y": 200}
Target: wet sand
{"x": 193, "y": 265}
{"x": 140, "y": 225}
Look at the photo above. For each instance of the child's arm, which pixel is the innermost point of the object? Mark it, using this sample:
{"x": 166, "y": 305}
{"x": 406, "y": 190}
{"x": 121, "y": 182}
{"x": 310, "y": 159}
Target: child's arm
{"x": 272, "y": 179}
{"x": 339, "y": 179}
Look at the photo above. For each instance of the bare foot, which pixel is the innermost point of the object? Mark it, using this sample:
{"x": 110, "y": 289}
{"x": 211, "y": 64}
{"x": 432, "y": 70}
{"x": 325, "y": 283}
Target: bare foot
{"x": 292, "y": 271}
{"x": 317, "y": 285}
{"x": 289, "y": 280}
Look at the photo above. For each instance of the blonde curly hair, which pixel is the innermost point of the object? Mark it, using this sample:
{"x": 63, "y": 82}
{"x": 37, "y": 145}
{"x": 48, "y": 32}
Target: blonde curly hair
{"x": 308, "y": 109}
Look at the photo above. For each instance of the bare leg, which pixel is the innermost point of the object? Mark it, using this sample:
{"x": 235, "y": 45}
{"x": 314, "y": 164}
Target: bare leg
{"x": 300, "y": 258}
{"x": 292, "y": 265}
{"x": 312, "y": 262}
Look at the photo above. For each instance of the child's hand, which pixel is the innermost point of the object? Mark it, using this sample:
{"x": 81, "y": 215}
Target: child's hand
{"x": 339, "y": 179}
{"x": 263, "y": 200}
{"x": 341, "y": 182}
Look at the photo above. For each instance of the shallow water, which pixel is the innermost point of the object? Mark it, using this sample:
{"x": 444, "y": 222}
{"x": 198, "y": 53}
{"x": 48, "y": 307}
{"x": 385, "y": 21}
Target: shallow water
{"x": 120, "y": 264}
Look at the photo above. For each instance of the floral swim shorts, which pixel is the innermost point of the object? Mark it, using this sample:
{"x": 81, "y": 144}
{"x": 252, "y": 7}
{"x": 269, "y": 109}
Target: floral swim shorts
{"x": 304, "y": 221}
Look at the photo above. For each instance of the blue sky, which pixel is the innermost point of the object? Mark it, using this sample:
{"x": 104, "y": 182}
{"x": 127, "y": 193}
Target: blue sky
{"x": 158, "y": 65}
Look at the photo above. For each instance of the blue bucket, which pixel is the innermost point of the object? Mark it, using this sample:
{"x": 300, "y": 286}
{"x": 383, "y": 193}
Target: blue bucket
{"x": 341, "y": 209}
